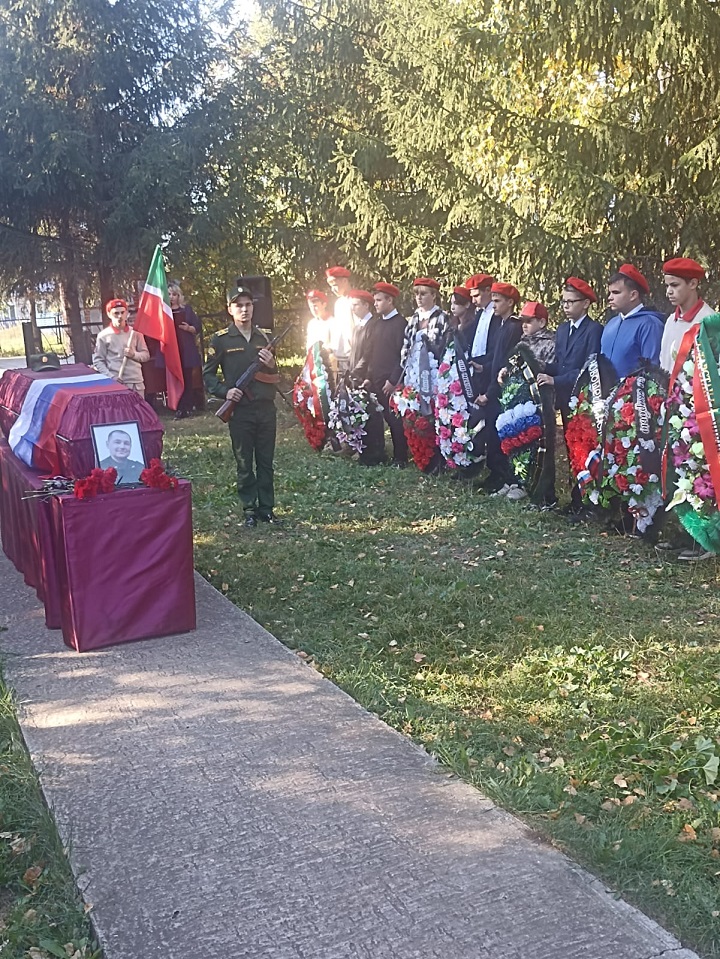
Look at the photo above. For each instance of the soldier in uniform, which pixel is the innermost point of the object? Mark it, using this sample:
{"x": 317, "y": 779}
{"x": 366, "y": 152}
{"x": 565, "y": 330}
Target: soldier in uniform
{"x": 253, "y": 422}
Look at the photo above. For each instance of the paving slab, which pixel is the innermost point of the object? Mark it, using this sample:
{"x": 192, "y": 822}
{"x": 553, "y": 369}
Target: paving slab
{"x": 221, "y": 799}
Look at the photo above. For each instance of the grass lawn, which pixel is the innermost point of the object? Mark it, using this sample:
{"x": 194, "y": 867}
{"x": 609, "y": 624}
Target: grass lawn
{"x": 572, "y": 675}
{"x": 41, "y": 914}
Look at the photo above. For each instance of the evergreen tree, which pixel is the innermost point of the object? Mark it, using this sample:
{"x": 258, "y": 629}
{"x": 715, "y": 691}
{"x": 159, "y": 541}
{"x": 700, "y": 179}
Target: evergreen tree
{"x": 95, "y": 161}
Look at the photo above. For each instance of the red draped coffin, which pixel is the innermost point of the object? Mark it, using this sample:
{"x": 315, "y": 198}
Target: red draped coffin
{"x": 71, "y": 453}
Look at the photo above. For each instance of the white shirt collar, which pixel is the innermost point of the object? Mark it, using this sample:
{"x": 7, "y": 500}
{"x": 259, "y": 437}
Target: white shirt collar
{"x": 575, "y": 324}
{"x": 364, "y": 320}
{"x": 637, "y": 309}
{"x": 387, "y": 316}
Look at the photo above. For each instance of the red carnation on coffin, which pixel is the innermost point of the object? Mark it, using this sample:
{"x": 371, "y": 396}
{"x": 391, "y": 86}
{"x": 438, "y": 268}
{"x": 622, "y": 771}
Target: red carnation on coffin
{"x": 155, "y": 476}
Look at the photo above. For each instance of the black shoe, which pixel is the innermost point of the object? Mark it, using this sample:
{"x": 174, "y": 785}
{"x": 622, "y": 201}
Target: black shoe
{"x": 181, "y": 415}
{"x": 269, "y": 518}
{"x": 250, "y": 521}
{"x": 399, "y": 464}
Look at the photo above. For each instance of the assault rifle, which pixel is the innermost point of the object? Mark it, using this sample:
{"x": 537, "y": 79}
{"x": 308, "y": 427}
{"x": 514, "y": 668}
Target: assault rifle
{"x": 250, "y": 374}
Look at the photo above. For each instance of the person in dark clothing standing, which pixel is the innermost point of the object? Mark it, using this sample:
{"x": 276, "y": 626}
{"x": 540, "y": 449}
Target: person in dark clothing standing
{"x": 576, "y": 340}
{"x": 187, "y": 329}
{"x": 509, "y": 330}
{"x": 253, "y": 422}
{"x": 383, "y": 374}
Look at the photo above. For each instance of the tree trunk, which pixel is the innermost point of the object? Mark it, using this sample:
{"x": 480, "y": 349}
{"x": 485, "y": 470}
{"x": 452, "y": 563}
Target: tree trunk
{"x": 107, "y": 290}
{"x": 79, "y": 337}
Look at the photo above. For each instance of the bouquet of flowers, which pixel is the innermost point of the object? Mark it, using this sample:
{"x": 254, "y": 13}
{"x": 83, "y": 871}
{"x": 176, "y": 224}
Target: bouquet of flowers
{"x": 156, "y": 477}
{"x": 419, "y": 429}
{"x": 311, "y": 397}
{"x": 455, "y": 435}
{"x": 99, "y": 481}
{"x": 631, "y": 444}
{"x": 692, "y": 465}
{"x": 520, "y": 423}
{"x": 350, "y": 409}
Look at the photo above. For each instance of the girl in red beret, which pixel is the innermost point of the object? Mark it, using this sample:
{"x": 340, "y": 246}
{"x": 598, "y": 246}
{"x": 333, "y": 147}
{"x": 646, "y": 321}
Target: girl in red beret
{"x": 682, "y": 280}
{"x": 424, "y": 342}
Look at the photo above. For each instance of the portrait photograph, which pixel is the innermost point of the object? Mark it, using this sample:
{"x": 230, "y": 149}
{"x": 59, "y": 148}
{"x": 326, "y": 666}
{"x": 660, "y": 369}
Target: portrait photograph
{"x": 119, "y": 445}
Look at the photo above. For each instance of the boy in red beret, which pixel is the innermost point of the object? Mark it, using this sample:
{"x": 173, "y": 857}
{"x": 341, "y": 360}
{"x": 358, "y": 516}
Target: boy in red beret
{"x": 383, "y": 372}
{"x": 635, "y": 333}
{"x": 682, "y": 279}
{"x": 576, "y": 339}
{"x": 338, "y": 279}
{"x": 320, "y": 325}
{"x": 505, "y": 299}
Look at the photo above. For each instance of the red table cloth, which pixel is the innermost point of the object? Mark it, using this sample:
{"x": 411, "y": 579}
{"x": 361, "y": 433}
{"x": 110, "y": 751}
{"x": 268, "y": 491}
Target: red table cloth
{"x": 112, "y": 569}
{"x": 27, "y": 532}
{"x": 125, "y": 565}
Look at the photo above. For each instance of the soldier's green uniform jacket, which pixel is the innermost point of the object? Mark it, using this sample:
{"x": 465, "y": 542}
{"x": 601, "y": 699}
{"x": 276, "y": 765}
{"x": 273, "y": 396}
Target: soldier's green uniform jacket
{"x": 233, "y": 354}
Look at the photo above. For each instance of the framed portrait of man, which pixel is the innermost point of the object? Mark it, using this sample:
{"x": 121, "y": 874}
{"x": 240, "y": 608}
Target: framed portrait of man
{"x": 119, "y": 445}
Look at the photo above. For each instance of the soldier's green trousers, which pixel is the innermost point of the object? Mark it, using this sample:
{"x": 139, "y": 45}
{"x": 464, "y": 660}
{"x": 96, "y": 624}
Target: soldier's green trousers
{"x": 252, "y": 431}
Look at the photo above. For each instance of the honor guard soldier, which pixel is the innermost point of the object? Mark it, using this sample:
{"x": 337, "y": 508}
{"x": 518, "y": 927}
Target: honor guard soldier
{"x": 253, "y": 422}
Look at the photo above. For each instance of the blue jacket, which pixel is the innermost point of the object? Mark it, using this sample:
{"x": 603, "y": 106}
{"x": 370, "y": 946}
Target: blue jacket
{"x": 626, "y": 342}
{"x": 571, "y": 352}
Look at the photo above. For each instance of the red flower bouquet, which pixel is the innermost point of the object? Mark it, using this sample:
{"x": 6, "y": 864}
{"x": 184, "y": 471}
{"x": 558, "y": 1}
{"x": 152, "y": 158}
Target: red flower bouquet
{"x": 155, "y": 476}
{"x": 99, "y": 481}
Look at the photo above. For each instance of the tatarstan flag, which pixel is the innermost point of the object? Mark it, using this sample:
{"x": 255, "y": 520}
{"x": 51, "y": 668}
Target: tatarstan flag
{"x": 154, "y": 318}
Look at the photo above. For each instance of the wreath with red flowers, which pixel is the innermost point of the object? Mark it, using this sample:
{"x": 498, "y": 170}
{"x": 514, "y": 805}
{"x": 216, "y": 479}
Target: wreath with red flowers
{"x": 313, "y": 426}
{"x": 419, "y": 429}
{"x": 312, "y": 396}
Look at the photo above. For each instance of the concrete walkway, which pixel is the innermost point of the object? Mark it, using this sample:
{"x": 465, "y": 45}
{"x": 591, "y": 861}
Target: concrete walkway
{"x": 224, "y": 801}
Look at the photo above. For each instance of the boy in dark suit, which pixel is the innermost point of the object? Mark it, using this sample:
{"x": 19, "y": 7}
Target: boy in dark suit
{"x": 576, "y": 339}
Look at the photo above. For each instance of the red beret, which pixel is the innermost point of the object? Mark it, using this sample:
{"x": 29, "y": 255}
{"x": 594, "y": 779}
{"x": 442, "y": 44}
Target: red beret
{"x": 685, "y": 268}
{"x": 632, "y": 273}
{"x": 386, "y": 288}
{"x": 111, "y": 304}
{"x": 361, "y": 295}
{"x": 338, "y": 272}
{"x": 534, "y": 309}
{"x": 316, "y": 295}
{"x": 478, "y": 280}
{"x": 462, "y": 292}
{"x": 506, "y": 289}
{"x": 426, "y": 281}
{"x": 575, "y": 283}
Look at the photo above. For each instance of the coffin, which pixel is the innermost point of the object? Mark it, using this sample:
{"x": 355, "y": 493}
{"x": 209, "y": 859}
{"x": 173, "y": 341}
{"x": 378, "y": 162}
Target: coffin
{"x": 55, "y": 420}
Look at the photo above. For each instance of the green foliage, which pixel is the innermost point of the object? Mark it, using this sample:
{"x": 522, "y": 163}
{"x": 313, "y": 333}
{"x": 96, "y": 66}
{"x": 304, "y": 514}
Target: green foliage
{"x": 40, "y": 908}
{"x": 535, "y": 139}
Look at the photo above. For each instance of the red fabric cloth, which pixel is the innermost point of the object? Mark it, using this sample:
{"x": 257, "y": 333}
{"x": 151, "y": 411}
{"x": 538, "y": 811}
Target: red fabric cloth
{"x": 74, "y": 448}
{"x": 27, "y": 533}
{"x": 121, "y": 581}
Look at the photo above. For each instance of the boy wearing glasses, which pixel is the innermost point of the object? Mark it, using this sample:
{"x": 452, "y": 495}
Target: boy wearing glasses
{"x": 576, "y": 339}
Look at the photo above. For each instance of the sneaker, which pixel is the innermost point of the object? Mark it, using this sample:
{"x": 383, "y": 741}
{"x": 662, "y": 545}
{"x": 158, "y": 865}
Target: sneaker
{"x": 503, "y": 491}
{"x": 399, "y": 464}
{"x": 250, "y": 521}
{"x": 695, "y": 554}
{"x": 515, "y": 493}
{"x": 269, "y": 518}
{"x": 548, "y": 507}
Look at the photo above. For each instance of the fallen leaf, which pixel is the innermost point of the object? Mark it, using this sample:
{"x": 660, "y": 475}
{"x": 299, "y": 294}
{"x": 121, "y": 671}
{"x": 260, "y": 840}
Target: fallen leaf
{"x": 31, "y": 875}
{"x": 610, "y": 804}
{"x": 620, "y": 781}
{"x": 509, "y": 750}
{"x": 418, "y": 657}
{"x": 687, "y": 834}
{"x": 685, "y": 804}
{"x": 579, "y": 818}
{"x": 628, "y": 800}
{"x": 557, "y": 763}
{"x": 715, "y": 834}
